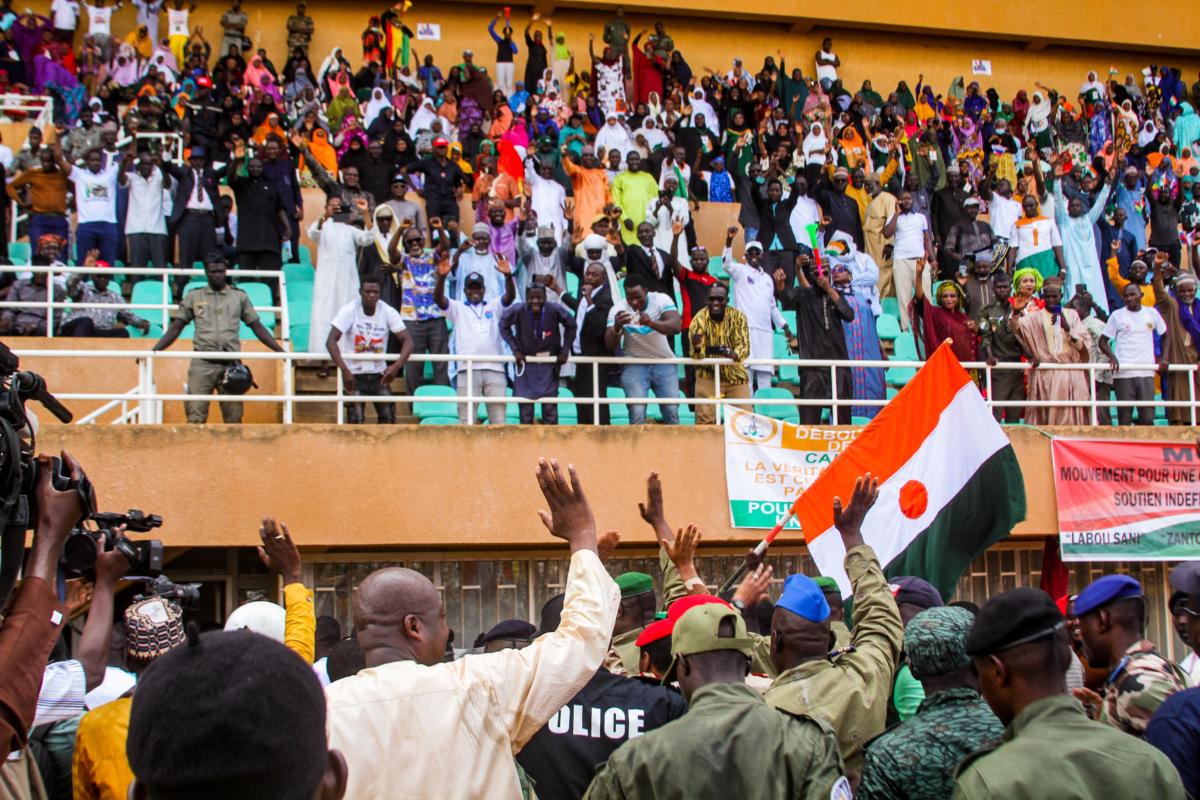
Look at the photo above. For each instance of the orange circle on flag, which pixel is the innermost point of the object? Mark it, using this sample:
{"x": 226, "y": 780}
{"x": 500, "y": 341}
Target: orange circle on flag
{"x": 914, "y": 499}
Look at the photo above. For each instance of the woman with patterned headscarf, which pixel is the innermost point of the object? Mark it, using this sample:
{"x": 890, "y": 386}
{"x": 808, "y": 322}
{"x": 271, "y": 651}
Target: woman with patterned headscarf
{"x": 944, "y": 318}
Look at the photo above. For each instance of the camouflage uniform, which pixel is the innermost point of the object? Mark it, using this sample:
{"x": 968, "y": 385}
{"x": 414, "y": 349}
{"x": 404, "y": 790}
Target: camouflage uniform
{"x": 916, "y": 759}
{"x": 1138, "y": 686}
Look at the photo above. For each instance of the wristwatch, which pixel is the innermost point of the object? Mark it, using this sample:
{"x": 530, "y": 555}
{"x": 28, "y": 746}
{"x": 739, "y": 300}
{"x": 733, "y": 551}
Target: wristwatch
{"x": 738, "y": 604}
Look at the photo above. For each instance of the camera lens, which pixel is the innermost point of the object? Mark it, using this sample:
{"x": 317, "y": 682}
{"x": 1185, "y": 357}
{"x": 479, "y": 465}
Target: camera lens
{"x": 79, "y": 552}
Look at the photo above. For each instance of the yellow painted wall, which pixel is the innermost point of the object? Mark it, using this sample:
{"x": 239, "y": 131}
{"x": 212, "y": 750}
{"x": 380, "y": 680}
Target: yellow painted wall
{"x": 433, "y": 488}
{"x": 883, "y": 42}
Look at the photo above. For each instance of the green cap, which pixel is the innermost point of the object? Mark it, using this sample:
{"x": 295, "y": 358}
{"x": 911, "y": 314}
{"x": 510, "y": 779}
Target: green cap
{"x": 634, "y": 583}
{"x": 696, "y": 632}
{"x": 828, "y": 585}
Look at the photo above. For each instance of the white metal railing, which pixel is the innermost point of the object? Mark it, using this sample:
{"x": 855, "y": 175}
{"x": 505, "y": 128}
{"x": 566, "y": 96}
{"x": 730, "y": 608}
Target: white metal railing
{"x": 150, "y": 400}
{"x": 40, "y": 104}
{"x": 50, "y": 305}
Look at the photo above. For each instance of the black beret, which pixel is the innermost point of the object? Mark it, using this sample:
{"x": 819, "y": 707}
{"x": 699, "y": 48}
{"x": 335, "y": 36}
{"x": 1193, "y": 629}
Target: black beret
{"x": 1011, "y": 618}
{"x": 507, "y": 629}
{"x": 232, "y": 714}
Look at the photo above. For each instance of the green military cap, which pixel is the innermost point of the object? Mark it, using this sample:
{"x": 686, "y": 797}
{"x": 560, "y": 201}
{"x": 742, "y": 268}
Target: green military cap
{"x": 697, "y": 632}
{"x": 634, "y": 583}
{"x": 935, "y": 641}
{"x": 828, "y": 585}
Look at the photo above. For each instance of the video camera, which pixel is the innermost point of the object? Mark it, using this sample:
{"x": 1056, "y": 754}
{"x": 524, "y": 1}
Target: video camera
{"x": 19, "y": 468}
{"x": 186, "y": 594}
{"x": 145, "y": 557}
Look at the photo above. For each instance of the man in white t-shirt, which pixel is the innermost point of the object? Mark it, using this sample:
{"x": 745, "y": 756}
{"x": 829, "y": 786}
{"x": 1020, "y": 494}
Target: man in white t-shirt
{"x": 477, "y": 333}
{"x": 65, "y": 16}
{"x": 100, "y": 25}
{"x": 827, "y": 64}
{"x": 1129, "y": 339}
{"x": 95, "y": 190}
{"x": 178, "y": 31}
{"x": 362, "y": 326}
{"x": 911, "y": 241}
{"x": 640, "y": 324}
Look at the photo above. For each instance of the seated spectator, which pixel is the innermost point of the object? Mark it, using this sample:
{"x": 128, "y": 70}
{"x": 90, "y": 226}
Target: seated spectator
{"x": 98, "y": 321}
{"x": 31, "y": 320}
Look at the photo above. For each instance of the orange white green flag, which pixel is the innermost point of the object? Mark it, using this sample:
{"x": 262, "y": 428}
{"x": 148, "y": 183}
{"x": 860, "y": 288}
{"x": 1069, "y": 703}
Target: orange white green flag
{"x": 949, "y": 482}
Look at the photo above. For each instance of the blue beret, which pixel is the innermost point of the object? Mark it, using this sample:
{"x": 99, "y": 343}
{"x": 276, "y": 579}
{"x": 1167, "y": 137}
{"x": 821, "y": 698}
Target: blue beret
{"x": 804, "y": 597}
{"x": 1105, "y": 590}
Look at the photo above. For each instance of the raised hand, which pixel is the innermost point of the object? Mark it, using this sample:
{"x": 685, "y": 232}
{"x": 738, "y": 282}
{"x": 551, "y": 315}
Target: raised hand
{"x": 607, "y": 544}
{"x": 652, "y": 510}
{"x": 848, "y": 520}
{"x": 754, "y": 586}
{"x": 570, "y": 516}
{"x": 278, "y": 552}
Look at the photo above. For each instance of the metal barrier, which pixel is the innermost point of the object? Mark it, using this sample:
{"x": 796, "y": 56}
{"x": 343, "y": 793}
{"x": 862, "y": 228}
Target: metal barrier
{"x": 149, "y": 400}
{"x": 175, "y": 141}
{"x": 49, "y": 305}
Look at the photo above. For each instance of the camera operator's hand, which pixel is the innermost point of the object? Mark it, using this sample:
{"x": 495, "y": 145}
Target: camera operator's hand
{"x": 278, "y": 553}
{"x": 111, "y": 565}
{"x": 57, "y": 514}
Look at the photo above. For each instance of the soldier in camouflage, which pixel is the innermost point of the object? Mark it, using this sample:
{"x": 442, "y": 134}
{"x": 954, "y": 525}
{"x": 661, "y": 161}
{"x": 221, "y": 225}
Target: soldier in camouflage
{"x": 1112, "y": 623}
{"x": 916, "y": 759}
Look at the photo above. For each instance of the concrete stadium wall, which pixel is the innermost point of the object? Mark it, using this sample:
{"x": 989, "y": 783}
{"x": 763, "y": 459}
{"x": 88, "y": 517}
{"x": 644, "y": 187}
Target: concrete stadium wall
{"x": 439, "y": 488}
{"x": 1056, "y": 43}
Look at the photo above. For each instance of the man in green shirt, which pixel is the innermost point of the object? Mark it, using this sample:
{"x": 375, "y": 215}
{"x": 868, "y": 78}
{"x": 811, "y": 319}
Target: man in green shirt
{"x": 848, "y": 689}
{"x": 1049, "y": 748}
{"x": 730, "y": 743}
{"x": 632, "y": 191}
{"x": 218, "y": 310}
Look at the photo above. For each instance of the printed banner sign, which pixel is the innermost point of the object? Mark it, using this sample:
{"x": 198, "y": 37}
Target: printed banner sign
{"x": 769, "y": 463}
{"x": 429, "y": 31}
{"x": 1126, "y": 500}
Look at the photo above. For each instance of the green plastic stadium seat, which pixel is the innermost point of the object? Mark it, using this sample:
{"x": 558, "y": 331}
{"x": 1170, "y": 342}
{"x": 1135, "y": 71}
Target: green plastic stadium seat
{"x": 783, "y": 412}
{"x": 891, "y": 306}
{"x": 434, "y": 408}
{"x": 888, "y": 328}
{"x": 905, "y": 349}
{"x": 305, "y": 256}
{"x": 439, "y": 421}
{"x": 19, "y": 252}
{"x": 260, "y": 296}
{"x": 573, "y": 284}
{"x": 618, "y": 412}
{"x": 298, "y": 274}
{"x": 299, "y": 337}
{"x": 152, "y": 292}
{"x": 899, "y": 376}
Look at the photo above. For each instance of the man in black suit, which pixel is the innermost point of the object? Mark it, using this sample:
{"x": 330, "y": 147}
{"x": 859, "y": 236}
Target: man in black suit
{"x": 591, "y": 318}
{"x": 196, "y": 213}
{"x": 775, "y": 226}
{"x": 655, "y": 266}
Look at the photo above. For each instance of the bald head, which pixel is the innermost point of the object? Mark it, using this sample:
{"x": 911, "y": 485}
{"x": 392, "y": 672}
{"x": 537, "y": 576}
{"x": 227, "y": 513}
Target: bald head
{"x": 795, "y": 640}
{"x": 399, "y": 616}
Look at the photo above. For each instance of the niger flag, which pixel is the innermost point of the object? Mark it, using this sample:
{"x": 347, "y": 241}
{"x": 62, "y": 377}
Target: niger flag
{"x": 949, "y": 482}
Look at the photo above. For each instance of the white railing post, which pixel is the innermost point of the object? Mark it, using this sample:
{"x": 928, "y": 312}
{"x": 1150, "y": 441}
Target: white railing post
{"x": 833, "y": 395}
{"x": 471, "y": 392}
{"x": 49, "y": 301}
{"x": 595, "y": 367}
{"x": 288, "y": 383}
{"x": 717, "y": 391}
{"x": 341, "y": 406}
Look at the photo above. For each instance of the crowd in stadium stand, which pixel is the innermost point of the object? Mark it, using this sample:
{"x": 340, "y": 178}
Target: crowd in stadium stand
{"x": 1057, "y": 226}
{"x": 621, "y": 691}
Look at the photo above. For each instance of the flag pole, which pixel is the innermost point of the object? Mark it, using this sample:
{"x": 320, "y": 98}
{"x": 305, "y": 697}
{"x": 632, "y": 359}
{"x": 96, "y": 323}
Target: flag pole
{"x": 760, "y": 550}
